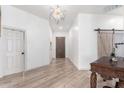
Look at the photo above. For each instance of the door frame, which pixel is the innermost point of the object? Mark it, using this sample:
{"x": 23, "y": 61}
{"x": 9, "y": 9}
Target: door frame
{"x": 25, "y": 44}
{"x": 55, "y": 45}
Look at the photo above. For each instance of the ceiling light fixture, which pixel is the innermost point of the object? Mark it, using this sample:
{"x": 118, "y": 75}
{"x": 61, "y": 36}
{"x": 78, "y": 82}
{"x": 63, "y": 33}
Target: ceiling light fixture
{"x": 56, "y": 14}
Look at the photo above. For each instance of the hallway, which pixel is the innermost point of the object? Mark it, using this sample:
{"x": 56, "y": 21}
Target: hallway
{"x": 61, "y": 73}
{"x": 33, "y": 35}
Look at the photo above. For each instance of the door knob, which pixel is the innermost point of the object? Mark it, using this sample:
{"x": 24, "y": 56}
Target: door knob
{"x": 23, "y": 53}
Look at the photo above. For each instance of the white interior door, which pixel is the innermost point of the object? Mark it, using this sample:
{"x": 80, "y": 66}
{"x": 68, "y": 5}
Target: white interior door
{"x": 14, "y": 51}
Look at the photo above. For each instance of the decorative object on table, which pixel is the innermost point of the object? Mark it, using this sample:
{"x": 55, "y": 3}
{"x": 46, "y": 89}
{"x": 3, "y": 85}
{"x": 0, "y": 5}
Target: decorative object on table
{"x": 113, "y": 57}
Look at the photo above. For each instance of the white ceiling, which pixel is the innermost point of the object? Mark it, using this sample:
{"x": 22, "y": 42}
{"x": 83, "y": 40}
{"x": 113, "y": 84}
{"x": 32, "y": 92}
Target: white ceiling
{"x": 118, "y": 11}
{"x": 71, "y": 12}
{"x": 43, "y": 10}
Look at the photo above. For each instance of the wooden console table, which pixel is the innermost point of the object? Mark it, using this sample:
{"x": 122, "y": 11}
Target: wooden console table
{"x": 107, "y": 70}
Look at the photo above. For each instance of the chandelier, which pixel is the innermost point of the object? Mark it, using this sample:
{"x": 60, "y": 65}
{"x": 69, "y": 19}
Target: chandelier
{"x": 57, "y": 14}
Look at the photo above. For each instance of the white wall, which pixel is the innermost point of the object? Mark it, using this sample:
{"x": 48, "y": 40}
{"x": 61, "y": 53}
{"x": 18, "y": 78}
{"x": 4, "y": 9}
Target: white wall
{"x": 50, "y": 49}
{"x": 87, "y": 41}
{"x": 73, "y": 46}
{"x": 59, "y": 34}
{"x": 86, "y": 47}
{"x": 37, "y": 34}
{"x": 1, "y": 59}
{"x": 108, "y": 21}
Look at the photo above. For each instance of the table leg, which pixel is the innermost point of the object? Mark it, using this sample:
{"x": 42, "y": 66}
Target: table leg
{"x": 93, "y": 80}
{"x": 120, "y": 84}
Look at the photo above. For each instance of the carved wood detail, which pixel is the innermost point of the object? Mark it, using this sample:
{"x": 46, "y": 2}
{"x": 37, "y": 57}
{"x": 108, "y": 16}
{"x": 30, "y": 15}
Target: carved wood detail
{"x": 93, "y": 80}
{"x": 103, "y": 67}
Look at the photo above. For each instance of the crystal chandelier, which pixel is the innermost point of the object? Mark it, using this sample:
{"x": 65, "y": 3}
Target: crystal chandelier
{"x": 56, "y": 14}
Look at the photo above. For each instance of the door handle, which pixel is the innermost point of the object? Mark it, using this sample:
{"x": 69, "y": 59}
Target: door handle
{"x": 23, "y": 53}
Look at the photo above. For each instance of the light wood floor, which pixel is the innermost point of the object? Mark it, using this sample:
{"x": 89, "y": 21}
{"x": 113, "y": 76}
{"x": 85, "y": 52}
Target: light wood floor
{"x": 61, "y": 73}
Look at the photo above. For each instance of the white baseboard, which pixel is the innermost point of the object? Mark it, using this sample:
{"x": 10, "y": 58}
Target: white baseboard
{"x": 79, "y": 67}
{"x": 82, "y": 68}
{"x": 76, "y": 65}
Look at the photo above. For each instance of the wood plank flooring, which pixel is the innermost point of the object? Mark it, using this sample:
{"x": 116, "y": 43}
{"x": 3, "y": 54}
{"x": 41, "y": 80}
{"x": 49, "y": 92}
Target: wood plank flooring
{"x": 61, "y": 73}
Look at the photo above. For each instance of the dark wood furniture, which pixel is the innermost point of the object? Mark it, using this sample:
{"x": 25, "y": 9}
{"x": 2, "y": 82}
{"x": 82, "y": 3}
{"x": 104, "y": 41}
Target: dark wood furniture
{"x": 107, "y": 70}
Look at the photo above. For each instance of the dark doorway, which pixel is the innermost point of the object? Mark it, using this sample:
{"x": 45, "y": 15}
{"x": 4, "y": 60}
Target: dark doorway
{"x": 60, "y": 47}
